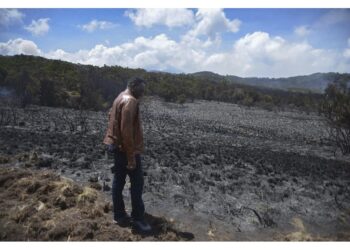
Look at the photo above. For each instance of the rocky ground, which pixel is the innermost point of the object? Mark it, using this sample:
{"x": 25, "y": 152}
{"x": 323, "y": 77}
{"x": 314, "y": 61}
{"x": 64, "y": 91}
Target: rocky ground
{"x": 215, "y": 170}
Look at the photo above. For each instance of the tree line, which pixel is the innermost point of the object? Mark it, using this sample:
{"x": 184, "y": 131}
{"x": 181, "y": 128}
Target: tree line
{"x": 55, "y": 83}
{"x": 36, "y": 80}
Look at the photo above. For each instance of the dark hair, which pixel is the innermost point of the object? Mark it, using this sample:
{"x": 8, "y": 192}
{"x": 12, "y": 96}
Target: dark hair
{"x": 134, "y": 82}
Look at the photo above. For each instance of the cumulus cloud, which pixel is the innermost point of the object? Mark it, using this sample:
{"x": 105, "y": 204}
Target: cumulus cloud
{"x": 302, "y": 30}
{"x": 205, "y": 27}
{"x": 39, "y": 27}
{"x": 19, "y": 46}
{"x": 254, "y": 54}
{"x": 95, "y": 24}
{"x": 156, "y": 53}
{"x": 259, "y": 54}
{"x": 168, "y": 17}
{"x": 211, "y": 22}
{"x": 208, "y": 27}
{"x": 10, "y": 16}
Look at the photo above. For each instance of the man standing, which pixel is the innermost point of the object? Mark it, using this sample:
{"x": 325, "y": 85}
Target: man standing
{"x": 124, "y": 138}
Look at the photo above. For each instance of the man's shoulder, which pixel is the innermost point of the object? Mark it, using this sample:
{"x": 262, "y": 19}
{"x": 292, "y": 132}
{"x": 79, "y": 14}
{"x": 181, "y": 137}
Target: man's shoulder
{"x": 127, "y": 98}
{"x": 123, "y": 96}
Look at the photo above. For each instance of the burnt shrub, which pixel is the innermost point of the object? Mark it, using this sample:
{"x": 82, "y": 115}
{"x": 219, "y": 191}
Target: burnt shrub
{"x": 336, "y": 109}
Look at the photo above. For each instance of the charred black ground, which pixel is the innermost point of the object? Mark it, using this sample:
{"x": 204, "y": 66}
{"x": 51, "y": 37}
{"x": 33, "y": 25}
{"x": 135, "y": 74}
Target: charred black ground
{"x": 219, "y": 171}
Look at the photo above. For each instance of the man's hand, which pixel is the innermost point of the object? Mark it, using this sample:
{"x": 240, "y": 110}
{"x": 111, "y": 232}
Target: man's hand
{"x": 131, "y": 166}
{"x": 111, "y": 148}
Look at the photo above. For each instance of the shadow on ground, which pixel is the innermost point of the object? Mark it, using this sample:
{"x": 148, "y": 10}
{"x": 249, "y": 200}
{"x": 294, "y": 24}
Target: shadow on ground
{"x": 161, "y": 226}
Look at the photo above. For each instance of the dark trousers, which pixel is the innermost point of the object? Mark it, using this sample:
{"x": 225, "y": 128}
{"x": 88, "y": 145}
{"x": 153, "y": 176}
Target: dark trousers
{"x": 136, "y": 180}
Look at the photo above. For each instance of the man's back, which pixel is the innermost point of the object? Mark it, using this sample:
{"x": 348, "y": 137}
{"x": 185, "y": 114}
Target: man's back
{"x": 124, "y": 125}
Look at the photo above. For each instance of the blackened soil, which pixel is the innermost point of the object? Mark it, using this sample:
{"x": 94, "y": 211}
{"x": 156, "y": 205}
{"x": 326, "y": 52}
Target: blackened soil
{"x": 217, "y": 170}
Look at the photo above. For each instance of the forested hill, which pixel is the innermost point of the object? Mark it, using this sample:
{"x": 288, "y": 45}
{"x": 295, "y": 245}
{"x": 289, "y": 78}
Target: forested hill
{"x": 316, "y": 82}
{"x": 37, "y": 80}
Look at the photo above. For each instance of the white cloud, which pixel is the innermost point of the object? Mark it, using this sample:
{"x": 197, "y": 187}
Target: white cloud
{"x": 211, "y": 22}
{"x": 261, "y": 55}
{"x": 302, "y": 30}
{"x": 168, "y": 17}
{"x": 10, "y": 16}
{"x": 39, "y": 27}
{"x": 206, "y": 23}
{"x": 156, "y": 53}
{"x": 255, "y": 54}
{"x": 19, "y": 46}
{"x": 347, "y": 53}
{"x": 95, "y": 24}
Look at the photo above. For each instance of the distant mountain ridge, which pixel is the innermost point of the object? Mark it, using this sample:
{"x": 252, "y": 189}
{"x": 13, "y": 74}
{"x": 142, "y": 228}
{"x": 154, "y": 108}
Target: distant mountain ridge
{"x": 316, "y": 82}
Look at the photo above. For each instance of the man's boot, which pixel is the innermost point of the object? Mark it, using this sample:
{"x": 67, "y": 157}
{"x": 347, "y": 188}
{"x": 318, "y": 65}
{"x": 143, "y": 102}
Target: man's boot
{"x": 123, "y": 221}
{"x": 142, "y": 226}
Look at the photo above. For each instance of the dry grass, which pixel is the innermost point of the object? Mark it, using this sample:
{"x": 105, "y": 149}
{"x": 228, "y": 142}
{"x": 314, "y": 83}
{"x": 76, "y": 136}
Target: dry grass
{"x": 88, "y": 195}
{"x": 300, "y": 234}
{"x": 40, "y": 205}
{"x": 44, "y": 206}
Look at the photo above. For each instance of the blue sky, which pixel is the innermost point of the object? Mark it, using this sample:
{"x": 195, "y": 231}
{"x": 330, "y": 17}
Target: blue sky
{"x": 244, "y": 42}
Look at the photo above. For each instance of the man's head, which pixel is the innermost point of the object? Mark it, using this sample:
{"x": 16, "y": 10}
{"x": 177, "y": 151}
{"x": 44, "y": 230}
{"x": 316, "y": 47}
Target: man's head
{"x": 136, "y": 86}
